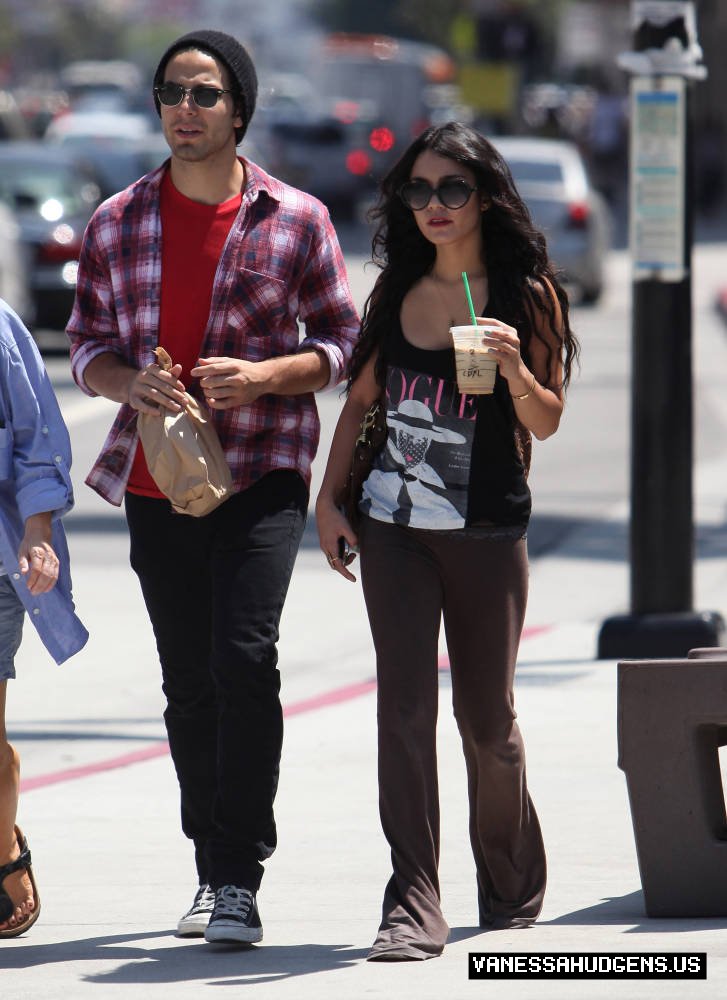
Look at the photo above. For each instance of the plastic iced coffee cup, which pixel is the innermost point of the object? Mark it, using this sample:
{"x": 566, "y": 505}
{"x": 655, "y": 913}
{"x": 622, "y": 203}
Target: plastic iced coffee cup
{"x": 476, "y": 367}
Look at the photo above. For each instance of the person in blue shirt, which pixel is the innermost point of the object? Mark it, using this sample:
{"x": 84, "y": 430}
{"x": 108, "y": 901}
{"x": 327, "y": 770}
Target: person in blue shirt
{"x": 35, "y": 491}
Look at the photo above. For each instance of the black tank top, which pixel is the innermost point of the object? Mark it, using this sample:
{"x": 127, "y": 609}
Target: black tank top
{"x": 451, "y": 460}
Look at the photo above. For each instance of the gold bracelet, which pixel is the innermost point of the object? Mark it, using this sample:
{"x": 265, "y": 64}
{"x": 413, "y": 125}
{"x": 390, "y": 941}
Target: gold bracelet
{"x": 525, "y": 394}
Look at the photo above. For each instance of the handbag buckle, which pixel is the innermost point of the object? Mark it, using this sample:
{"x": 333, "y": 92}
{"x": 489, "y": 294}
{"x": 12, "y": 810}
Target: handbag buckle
{"x": 369, "y": 419}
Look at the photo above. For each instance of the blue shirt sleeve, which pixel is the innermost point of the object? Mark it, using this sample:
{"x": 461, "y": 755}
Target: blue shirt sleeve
{"x": 36, "y": 442}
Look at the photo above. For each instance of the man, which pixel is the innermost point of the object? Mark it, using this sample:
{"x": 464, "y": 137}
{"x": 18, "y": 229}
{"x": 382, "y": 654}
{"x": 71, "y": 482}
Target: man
{"x": 216, "y": 261}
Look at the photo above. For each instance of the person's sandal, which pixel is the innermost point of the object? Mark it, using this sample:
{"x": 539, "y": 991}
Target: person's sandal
{"x": 7, "y": 907}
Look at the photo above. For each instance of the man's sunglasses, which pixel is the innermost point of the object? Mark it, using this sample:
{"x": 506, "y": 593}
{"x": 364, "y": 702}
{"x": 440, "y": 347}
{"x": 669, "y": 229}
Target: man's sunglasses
{"x": 172, "y": 94}
{"x": 453, "y": 192}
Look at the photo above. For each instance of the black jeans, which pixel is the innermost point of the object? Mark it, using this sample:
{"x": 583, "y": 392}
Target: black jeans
{"x": 214, "y": 588}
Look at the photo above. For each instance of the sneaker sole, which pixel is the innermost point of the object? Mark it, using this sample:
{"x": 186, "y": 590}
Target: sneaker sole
{"x": 221, "y": 932}
{"x": 193, "y": 927}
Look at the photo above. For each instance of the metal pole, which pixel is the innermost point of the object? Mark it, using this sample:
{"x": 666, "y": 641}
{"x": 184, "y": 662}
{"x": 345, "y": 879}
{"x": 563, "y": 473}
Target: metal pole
{"x": 662, "y": 532}
{"x": 662, "y": 623}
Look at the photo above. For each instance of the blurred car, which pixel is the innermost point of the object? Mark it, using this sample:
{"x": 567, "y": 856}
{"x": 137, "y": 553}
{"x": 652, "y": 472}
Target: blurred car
{"x": 102, "y": 83}
{"x": 12, "y": 123}
{"x": 552, "y": 104}
{"x": 309, "y": 142}
{"x": 318, "y": 153}
{"x": 337, "y": 131}
{"x": 39, "y": 103}
{"x": 117, "y": 160}
{"x": 52, "y": 196}
{"x": 388, "y": 89}
{"x": 553, "y": 182}
{"x": 101, "y": 124}
{"x": 720, "y": 302}
{"x": 13, "y": 265}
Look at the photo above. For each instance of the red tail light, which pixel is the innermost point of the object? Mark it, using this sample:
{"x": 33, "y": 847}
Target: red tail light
{"x": 63, "y": 244}
{"x": 358, "y": 162}
{"x": 382, "y": 139}
{"x": 578, "y": 214}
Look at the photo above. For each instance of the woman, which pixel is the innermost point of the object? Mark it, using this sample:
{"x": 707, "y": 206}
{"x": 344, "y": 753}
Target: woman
{"x": 446, "y": 511}
{"x": 35, "y": 490}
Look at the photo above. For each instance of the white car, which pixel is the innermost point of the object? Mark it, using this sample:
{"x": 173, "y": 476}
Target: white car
{"x": 553, "y": 182}
{"x": 112, "y": 125}
{"x": 13, "y": 266}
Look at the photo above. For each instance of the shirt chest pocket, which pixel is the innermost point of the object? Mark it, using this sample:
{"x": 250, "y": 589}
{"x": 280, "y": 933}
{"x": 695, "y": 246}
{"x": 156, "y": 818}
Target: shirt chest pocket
{"x": 6, "y": 454}
{"x": 259, "y": 321}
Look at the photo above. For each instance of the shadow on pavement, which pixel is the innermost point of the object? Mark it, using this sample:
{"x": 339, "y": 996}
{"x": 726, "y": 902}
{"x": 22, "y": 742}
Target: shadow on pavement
{"x": 464, "y": 933}
{"x": 616, "y": 910}
{"x": 594, "y": 538}
{"x": 74, "y": 735}
{"x": 184, "y": 962}
{"x": 572, "y": 537}
{"x": 576, "y": 538}
{"x": 630, "y": 909}
{"x": 88, "y": 524}
{"x": 89, "y": 949}
{"x": 229, "y": 965}
{"x": 545, "y": 534}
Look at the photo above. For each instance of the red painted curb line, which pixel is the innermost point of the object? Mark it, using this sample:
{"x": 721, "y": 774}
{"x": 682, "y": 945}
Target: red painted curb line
{"x": 335, "y": 697}
{"x": 325, "y": 700}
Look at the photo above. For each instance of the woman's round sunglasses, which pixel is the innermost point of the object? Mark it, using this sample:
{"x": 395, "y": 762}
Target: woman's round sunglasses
{"x": 452, "y": 192}
{"x": 172, "y": 94}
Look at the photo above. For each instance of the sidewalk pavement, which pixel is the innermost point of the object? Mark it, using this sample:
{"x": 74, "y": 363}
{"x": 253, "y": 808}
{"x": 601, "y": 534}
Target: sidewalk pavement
{"x": 115, "y": 873}
{"x": 101, "y": 809}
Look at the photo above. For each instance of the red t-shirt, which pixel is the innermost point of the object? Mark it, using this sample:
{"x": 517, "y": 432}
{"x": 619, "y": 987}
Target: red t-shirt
{"x": 193, "y": 236}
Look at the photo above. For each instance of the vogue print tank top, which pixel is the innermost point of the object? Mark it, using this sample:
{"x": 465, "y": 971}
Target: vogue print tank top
{"x": 451, "y": 460}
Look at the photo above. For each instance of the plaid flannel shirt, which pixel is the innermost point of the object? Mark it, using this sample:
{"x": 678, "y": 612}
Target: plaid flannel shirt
{"x": 281, "y": 264}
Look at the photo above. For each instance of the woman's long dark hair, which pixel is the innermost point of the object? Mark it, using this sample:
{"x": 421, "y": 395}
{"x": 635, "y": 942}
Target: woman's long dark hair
{"x": 516, "y": 258}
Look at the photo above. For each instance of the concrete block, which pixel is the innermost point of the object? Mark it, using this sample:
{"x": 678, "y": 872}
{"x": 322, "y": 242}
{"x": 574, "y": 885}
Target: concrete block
{"x": 672, "y": 719}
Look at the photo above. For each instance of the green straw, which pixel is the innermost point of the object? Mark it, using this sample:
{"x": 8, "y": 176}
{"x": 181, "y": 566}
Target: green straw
{"x": 469, "y": 298}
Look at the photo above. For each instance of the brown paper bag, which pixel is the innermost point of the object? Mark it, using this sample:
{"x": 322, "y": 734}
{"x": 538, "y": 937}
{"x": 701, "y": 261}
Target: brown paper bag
{"x": 184, "y": 455}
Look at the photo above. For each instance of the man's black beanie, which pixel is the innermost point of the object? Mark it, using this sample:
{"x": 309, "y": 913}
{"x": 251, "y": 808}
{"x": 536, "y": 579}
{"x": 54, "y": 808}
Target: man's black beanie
{"x": 232, "y": 55}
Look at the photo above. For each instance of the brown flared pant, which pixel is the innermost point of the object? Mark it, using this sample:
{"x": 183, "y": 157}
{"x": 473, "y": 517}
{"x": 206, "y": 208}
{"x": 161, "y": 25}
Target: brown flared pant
{"x": 413, "y": 579}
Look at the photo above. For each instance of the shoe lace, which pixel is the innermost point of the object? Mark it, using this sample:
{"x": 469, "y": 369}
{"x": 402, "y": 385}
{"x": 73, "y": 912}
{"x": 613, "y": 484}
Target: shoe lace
{"x": 233, "y": 901}
{"x": 204, "y": 900}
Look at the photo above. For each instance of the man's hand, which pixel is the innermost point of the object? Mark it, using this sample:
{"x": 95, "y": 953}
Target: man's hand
{"x": 36, "y": 556}
{"x": 229, "y": 382}
{"x": 153, "y": 390}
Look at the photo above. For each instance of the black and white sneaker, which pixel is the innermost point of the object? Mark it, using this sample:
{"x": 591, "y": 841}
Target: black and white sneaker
{"x": 234, "y": 918}
{"x": 195, "y": 920}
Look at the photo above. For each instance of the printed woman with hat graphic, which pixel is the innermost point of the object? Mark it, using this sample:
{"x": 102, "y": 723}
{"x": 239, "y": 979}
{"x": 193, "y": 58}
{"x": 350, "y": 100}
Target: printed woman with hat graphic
{"x": 414, "y": 484}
